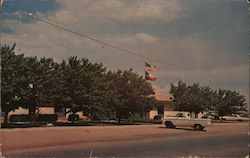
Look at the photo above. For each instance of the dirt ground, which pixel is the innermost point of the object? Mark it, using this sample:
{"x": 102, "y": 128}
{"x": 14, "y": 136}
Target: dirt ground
{"x": 21, "y": 139}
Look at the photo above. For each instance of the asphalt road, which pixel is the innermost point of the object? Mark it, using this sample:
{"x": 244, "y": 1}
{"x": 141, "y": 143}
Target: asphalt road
{"x": 220, "y": 140}
{"x": 235, "y": 145}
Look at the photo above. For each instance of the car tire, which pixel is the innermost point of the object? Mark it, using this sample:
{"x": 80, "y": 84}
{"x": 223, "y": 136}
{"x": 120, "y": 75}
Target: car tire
{"x": 169, "y": 124}
{"x": 198, "y": 127}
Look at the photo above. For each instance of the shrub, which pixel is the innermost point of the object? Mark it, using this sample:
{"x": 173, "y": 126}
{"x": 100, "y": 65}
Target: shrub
{"x": 19, "y": 118}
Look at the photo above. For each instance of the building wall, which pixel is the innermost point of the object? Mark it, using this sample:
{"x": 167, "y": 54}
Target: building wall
{"x": 153, "y": 113}
{"x": 170, "y": 113}
{"x": 46, "y": 110}
{"x": 41, "y": 110}
{"x": 166, "y": 108}
{"x": 169, "y": 108}
{"x": 19, "y": 111}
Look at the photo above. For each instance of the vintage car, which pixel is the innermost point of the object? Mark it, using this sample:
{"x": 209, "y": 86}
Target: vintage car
{"x": 234, "y": 117}
{"x": 183, "y": 119}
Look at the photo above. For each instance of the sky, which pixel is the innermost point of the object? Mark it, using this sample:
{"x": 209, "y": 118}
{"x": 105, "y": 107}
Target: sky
{"x": 203, "y": 41}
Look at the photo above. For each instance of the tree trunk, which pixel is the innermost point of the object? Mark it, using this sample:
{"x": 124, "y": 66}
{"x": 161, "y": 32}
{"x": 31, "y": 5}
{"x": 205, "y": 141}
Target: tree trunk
{"x": 32, "y": 113}
{"x": 6, "y": 114}
{"x": 119, "y": 118}
{"x": 32, "y": 110}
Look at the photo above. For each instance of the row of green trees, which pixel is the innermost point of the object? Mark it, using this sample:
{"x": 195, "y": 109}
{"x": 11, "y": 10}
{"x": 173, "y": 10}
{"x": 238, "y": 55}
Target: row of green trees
{"x": 77, "y": 84}
{"x": 195, "y": 98}
{"x": 80, "y": 85}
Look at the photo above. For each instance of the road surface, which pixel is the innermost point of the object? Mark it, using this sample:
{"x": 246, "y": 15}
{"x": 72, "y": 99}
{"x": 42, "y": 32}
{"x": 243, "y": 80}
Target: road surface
{"x": 223, "y": 140}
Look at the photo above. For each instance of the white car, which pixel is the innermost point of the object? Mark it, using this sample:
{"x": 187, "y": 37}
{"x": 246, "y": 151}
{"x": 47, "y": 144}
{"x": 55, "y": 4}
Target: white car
{"x": 234, "y": 117}
{"x": 183, "y": 119}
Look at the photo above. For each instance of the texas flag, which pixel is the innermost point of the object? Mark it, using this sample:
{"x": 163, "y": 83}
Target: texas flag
{"x": 148, "y": 76}
{"x": 149, "y": 67}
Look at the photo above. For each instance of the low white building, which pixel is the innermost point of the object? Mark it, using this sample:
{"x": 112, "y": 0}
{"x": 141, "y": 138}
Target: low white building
{"x": 165, "y": 109}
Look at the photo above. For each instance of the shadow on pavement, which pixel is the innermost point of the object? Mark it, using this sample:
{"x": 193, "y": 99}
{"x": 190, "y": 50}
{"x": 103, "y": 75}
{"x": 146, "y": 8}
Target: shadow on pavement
{"x": 180, "y": 128}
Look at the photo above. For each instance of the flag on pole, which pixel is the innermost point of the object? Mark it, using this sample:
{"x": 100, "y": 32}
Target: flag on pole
{"x": 148, "y": 76}
{"x": 149, "y": 67}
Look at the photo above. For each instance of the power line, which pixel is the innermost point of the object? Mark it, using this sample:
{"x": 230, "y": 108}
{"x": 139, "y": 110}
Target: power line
{"x": 122, "y": 50}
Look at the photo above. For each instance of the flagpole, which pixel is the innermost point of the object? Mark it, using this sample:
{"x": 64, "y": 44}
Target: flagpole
{"x": 1, "y": 3}
{"x": 1, "y": 7}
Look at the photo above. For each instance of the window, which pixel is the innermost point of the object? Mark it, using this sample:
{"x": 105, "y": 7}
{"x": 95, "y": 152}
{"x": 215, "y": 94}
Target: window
{"x": 179, "y": 115}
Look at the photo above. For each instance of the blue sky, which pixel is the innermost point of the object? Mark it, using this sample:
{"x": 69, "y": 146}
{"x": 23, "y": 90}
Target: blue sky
{"x": 207, "y": 39}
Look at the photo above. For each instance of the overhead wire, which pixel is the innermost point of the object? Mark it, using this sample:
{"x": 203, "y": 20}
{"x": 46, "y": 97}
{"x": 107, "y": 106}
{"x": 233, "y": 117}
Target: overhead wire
{"x": 122, "y": 50}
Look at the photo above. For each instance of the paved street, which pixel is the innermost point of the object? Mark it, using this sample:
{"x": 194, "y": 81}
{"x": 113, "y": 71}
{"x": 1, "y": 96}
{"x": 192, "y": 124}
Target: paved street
{"x": 224, "y": 146}
{"x": 222, "y": 139}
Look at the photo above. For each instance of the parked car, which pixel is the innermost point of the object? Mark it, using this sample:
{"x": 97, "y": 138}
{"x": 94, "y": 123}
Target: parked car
{"x": 158, "y": 119}
{"x": 106, "y": 120}
{"x": 209, "y": 116}
{"x": 76, "y": 117}
{"x": 234, "y": 117}
{"x": 183, "y": 119}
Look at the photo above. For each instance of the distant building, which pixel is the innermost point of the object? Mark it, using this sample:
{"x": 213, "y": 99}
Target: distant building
{"x": 166, "y": 106}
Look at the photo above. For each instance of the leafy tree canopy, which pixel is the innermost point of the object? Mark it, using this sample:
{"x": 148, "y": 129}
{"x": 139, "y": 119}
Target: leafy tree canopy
{"x": 77, "y": 84}
{"x": 194, "y": 98}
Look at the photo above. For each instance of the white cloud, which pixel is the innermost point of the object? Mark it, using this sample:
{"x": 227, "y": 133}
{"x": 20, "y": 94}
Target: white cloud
{"x": 122, "y": 10}
{"x": 232, "y": 78}
{"x": 146, "y": 37}
{"x": 161, "y": 10}
{"x": 132, "y": 40}
{"x": 232, "y": 72}
{"x": 192, "y": 53}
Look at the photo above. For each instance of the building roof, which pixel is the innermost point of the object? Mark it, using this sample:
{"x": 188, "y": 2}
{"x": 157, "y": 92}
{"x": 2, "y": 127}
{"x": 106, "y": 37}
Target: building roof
{"x": 163, "y": 98}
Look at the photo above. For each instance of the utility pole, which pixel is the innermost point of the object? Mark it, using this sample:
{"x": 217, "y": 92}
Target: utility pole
{"x": 1, "y": 3}
{"x": 1, "y": 7}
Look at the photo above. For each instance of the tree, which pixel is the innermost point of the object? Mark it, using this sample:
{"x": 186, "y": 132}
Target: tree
{"x": 128, "y": 93}
{"x": 194, "y": 98}
{"x": 229, "y": 102}
{"x": 83, "y": 82}
{"x": 179, "y": 90}
{"x": 37, "y": 82}
{"x": 189, "y": 98}
{"x": 27, "y": 82}
{"x": 43, "y": 76}
{"x": 76, "y": 83}
{"x": 10, "y": 76}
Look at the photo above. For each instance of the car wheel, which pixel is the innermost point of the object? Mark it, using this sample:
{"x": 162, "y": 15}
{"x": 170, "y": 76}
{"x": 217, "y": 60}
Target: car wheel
{"x": 169, "y": 125}
{"x": 198, "y": 127}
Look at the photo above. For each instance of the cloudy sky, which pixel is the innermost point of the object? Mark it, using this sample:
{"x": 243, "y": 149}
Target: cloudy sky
{"x": 203, "y": 41}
